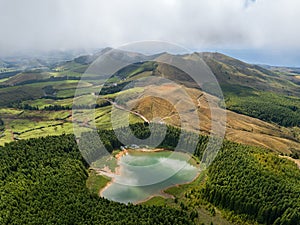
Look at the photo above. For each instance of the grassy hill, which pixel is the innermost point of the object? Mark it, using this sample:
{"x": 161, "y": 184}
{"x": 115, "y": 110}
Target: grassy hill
{"x": 250, "y": 92}
{"x": 230, "y": 71}
{"x": 26, "y": 77}
{"x": 248, "y": 183}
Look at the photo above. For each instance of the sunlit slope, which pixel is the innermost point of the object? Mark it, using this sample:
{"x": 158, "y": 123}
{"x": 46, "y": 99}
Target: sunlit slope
{"x": 239, "y": 128}
{"x": 244, "y": 87}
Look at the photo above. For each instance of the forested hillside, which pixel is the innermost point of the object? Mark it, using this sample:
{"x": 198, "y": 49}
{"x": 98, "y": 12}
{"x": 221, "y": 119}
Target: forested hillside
{"x": 267, "y": 106}
{"x": 43, "y": 181}
{"x": 259, "y": 184}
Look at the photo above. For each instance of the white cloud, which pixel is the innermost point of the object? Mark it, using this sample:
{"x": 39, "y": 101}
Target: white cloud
{"x": 63, "y": 24}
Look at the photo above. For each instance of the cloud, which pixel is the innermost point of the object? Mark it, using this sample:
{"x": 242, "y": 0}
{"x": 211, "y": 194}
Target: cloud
{"x": 197, "y": 24}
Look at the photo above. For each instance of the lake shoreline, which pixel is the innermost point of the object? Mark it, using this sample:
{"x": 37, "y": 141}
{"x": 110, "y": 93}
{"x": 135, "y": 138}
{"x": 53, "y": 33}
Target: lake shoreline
{"x": 112, "y": 175}
{"x": 164, "y": 194}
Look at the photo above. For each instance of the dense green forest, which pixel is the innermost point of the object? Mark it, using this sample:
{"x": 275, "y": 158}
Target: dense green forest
{"x": 190, "y": 142}
{"x": 247, "y": 180}
{"x": 1, "y": 124}
{"x": 256, "y": 183}
{"x": 13, "y": 95}
{"x": 43, "y": 181}
{"x": 266, "y": 106}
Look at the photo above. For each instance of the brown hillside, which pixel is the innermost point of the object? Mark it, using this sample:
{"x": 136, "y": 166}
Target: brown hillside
{"x": 167, "y": 100}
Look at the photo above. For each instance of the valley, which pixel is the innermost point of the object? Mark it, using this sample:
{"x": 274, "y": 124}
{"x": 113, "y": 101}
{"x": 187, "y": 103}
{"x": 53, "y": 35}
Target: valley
{"x": 257, "y": 164}
{"x": 31, "y": 117}
{"x": 150, "y": 112}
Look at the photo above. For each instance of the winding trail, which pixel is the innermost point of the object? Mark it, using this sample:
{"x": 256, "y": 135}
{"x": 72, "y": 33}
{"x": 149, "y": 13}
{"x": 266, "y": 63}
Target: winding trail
{"x": 8, "y": 128}
{"x": 127, "y": 110}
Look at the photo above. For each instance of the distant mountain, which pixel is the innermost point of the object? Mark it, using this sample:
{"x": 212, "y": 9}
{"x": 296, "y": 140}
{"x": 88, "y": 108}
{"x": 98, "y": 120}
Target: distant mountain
{"x": 230, "y": 71}
{"x": 3, "y": 64}
{"x": 248, "y": 89}
{"x": 33, "y": 60}
{"x": 282, "y": 69}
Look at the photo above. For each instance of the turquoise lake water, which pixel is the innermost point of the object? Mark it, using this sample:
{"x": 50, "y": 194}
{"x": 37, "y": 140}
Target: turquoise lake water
{"x": 144, "y": 174}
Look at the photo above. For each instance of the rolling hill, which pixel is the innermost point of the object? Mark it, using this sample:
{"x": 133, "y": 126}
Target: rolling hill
{"x": 249, "y": 91}
{"x": 252, "y": 172}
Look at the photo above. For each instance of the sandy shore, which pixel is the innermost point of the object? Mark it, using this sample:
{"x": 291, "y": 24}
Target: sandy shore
{"x": 121, "y": 153}
{"x": 107, "y": 172}
{"x": 126, "y": 151}
{"x": 110, "y": 174}
{"x": 103, "y": 189}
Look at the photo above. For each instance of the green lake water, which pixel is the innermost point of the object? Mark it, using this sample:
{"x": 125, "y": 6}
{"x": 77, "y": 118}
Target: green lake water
{"x": 144, "y": 174}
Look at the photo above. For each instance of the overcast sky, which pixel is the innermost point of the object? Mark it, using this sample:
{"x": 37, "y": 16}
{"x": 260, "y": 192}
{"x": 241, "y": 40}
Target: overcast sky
{"x": 225, "y": 25}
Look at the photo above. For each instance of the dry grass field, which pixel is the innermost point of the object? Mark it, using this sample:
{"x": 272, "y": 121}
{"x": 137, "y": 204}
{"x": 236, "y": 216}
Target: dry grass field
{"x": 156, "y": 102}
